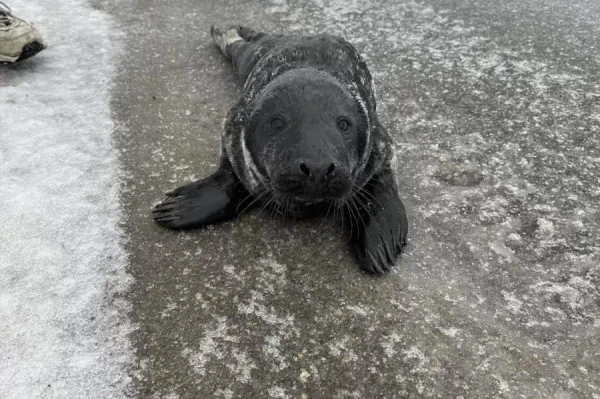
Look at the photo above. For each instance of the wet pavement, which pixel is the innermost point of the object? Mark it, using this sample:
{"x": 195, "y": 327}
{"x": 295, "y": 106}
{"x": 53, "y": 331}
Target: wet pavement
{"x": 495, "y": 108}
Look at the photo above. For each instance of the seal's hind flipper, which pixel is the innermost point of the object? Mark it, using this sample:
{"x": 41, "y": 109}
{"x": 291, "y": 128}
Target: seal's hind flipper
{"x": 207, "y": 201}
{"x": 224, "y": 39}
{"x": 233, "y": 35}
{"x": 381, "y": 237}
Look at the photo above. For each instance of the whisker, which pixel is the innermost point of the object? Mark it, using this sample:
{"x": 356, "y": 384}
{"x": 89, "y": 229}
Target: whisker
{"x": 351, "y": 218}
{"x": 237, "y": 209}
{"x": 370, "y": 197}
{"x": 284, "y": 201}
{"x": 374, "y": 179}
{"x": 356, "y": 203}
{"x": 275, "y": 209}
{"x": 326, "y": 214}
{"x": 262, "y": 192}
{"x": 335, "y": 210}
{"x": 286, "y": 206}
{"x": 341, "y": 212}
{"x": 363, "y": 205}
{"x": 289, "y": 206}
{"x": 267, "y": 202}
{"x": 359, "y": 218}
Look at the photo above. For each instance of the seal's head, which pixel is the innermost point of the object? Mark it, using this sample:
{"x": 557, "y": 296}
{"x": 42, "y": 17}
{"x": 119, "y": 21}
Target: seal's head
{"x": 311, "y": 135}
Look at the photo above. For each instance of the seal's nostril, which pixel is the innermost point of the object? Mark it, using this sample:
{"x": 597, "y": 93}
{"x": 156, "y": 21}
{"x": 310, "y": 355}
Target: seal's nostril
{"x": 330, "y": 169}
{"x": 304, "y": 169}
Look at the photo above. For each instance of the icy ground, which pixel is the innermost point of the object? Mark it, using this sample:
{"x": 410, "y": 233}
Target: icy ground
{"x": 495, "y": 106}
{"x": 62, "y": 332}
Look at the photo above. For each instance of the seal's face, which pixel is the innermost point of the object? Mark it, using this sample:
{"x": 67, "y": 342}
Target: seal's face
{"x": 310, "y": 134}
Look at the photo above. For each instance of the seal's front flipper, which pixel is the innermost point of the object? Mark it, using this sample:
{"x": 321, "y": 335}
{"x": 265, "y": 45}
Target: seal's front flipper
{"x": 381, "y": 237}
{"x": 207, "y": 201}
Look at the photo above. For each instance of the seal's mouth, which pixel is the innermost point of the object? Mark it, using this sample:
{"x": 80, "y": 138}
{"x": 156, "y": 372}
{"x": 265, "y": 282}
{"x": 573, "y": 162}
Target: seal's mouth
{"x": 312, "y": 196}
{"x": 308, "y": 191}
{"x": 309, "y": 202}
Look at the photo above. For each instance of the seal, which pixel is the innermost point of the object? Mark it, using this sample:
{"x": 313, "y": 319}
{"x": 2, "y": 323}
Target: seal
{"x": 304, "y": 139}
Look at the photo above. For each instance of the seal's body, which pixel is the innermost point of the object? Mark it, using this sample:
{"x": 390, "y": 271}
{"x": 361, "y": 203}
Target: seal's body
{"x": 304, "y": 138}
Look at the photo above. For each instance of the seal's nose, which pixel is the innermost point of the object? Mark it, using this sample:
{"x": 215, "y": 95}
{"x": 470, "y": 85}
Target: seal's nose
{"x": 317, "y": 169}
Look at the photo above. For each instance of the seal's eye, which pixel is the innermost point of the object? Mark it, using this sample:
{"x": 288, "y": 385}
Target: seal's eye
{"x": 277, "y": 123}
{"x": 343, "y": 124}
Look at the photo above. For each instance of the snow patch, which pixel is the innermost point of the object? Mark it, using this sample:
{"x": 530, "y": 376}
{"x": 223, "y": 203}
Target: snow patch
{"x": 450, "y": 331}
{"x": 277, "y": 392}
{"x": 62, "y": 266}
{"x": 209, "y": 346}
{"x": 514, "y": 305}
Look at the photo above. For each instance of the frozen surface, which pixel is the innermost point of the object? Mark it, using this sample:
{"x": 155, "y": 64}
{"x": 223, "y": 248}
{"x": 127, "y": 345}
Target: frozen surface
{"x": 62, "y": 326}
{"x": 495, "y": 107}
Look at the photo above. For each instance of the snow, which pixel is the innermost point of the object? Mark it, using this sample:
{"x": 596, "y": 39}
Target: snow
{"x": 63, "y": 325}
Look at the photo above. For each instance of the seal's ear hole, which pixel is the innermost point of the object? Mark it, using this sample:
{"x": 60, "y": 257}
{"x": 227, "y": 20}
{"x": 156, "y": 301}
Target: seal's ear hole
{"x": 343, "y": 124}
{"x": 277, "y": 123}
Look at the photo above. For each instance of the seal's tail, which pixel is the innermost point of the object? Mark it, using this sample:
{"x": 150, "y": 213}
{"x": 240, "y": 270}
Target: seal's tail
{"x": 234, "y": 34}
